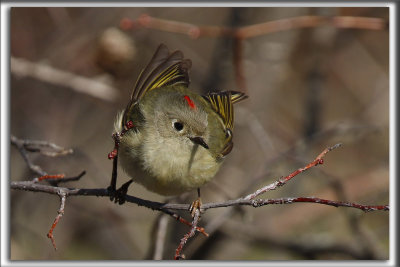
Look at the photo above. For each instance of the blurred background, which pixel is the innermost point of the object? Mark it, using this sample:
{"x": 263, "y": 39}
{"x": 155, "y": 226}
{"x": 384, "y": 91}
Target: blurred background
{"x": 309, "y": 88}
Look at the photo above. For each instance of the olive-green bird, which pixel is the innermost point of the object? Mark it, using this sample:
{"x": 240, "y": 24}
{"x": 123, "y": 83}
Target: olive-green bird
{"x": 174, "y": 140}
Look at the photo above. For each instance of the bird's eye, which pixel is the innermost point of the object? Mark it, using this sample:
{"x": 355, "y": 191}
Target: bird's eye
{"x": 177, "y": 125}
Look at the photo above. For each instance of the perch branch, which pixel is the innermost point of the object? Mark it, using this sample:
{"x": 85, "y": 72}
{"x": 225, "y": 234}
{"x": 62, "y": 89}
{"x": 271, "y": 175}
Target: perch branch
{"x": 248, "y": 200}
{"x": 166, "y": 207}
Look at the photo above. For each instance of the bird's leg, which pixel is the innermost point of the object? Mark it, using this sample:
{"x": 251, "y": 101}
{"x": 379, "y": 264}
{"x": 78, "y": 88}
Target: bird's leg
{"x": 119, "y": 194}
{"x": 114, "y": 156}
{"x": 195, "y": 204}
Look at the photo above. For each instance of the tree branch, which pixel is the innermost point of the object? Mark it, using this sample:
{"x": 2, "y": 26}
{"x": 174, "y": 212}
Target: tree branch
{"x": 249, "y": 200}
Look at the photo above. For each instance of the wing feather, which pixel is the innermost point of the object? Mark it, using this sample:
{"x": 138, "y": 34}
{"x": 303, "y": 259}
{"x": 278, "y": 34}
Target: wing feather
{"x": 164, "y": 69}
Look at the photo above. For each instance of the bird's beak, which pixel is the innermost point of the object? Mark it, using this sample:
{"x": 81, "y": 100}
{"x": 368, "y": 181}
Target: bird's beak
{"x": 200, "y": 141}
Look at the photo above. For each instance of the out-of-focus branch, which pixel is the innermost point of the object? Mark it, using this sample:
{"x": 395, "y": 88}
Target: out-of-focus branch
{"x": 42, "y": 147}
{"x": 346, "y": 22}
{"x": 23, "y": 68}
{"x": 195, "y": 31}
{"x": 239, "y": 34}
{"x": 161, "y": 232}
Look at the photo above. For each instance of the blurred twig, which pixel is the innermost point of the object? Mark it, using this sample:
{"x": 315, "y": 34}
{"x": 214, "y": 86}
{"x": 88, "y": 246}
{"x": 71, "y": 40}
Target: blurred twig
{"x": 195, "y": 31}
{"x": 25, "y": 146}
{"x": 346, "y": 22}
{"x": 42, "y": 72}
{"x": 162, "y": 228}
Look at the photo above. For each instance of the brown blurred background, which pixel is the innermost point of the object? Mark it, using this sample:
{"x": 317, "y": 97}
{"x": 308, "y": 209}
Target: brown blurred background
{"x": 309, "y": 89}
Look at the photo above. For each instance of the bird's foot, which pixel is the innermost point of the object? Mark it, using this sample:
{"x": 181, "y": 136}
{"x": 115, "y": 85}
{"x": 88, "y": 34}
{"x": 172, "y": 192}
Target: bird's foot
{"x": 118, "y": 196}
{"x": 196, "y": 205}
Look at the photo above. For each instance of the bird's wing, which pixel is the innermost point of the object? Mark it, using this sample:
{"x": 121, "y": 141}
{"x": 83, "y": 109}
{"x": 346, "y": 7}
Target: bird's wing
{"x": 164, "y": 69}
{"x": 222, "y": 103}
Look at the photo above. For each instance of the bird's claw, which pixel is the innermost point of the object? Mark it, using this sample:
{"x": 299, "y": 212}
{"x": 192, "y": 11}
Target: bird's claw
{"x": 118, "y": 196}
{"x": 196, "y": 205}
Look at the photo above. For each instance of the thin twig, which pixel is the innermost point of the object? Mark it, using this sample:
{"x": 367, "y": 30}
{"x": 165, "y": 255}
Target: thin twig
{"x": 190, "y": 234}
{"x": 290, "y": 200}
{"x": 24, "y": 146}
{"x": 318, "y": 160}
{"x": 19, "y": 144}
{"x": 184, "y": 221}
{"x": 39, "y": 146}
{"x": 60, "y": 212}
{"x": 59, "y": 178}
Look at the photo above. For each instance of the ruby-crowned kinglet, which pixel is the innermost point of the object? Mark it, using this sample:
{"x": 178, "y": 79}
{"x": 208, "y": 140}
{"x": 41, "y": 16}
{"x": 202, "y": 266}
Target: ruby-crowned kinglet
{"x": 174, "y": 139}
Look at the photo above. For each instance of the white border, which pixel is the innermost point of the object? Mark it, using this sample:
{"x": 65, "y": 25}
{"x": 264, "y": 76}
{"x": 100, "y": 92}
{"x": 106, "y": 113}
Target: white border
{"x": 5, "y": 143}
{"x": 392, "y": 134}
{"x": 5, "y": 138}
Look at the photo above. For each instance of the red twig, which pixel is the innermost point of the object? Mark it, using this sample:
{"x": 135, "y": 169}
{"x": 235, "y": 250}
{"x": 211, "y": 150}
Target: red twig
{"x": 46, "y": 177}
{"x": 184, "y": 221}
{"x": 318, "y": 160}
{"x": 185, "y": 238}
{"x": 58, "y": 178}
{"x": 60, "y": 212}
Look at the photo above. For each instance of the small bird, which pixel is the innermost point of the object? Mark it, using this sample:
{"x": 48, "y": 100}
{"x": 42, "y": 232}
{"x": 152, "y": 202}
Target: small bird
{"x": 170, "y": 139}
